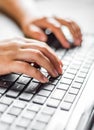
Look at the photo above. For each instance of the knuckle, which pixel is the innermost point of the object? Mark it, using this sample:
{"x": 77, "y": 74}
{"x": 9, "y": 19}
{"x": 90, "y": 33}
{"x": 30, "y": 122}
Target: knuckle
{"x": 44, "y": 48}
{"x": 38, "y": 54}
{"x": 69, "y": 22}
{"x": 57, "y": 28}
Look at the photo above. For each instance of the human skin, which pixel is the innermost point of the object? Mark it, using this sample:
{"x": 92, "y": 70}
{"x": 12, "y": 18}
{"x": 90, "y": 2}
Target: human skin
{"x": 24, "y": 12}
{"x": 16, "y": 55}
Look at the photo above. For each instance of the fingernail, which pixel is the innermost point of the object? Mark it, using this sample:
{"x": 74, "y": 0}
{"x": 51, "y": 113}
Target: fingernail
{"x": 55, "y": 73}
{"x": 78, "y": 41}
{"x": 45, "y": 80}
{"x": 67, "y": 46}
{"x": 60, "y": 69}
{"x": 61, "y": 63}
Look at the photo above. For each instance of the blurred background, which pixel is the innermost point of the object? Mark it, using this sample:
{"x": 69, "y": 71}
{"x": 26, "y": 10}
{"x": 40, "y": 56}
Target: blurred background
{"x": 81, "y": 11}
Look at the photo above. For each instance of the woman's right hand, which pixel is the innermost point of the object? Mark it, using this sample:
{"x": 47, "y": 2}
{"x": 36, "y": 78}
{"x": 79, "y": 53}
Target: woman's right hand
{"x": 17, "y": 54}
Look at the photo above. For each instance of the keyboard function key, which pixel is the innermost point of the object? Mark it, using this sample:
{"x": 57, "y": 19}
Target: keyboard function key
{"x": 66, "y": 106}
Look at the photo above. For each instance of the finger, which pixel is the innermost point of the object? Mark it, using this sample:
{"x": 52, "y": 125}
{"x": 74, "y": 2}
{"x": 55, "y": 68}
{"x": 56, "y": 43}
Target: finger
{"x": 55, "y": 27}
{"x": 74, "y": 29}
{"x": 32, "y": 55}
{"x": 48, "y": 52}
{"x": 76, "y": 33}
{"x": 35, "y": 32}
{"x": 25, "y": 68}
{"x": 78, "y": 30}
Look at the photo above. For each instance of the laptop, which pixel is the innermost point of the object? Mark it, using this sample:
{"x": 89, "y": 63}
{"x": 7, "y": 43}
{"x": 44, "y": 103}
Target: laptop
{"x": 26, "y": 104}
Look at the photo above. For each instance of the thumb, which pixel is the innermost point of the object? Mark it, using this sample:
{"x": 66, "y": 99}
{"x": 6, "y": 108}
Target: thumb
{"x": 36, "y": 33}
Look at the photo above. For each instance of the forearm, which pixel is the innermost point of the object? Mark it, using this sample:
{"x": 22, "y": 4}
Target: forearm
{"x": 18, "y": 9}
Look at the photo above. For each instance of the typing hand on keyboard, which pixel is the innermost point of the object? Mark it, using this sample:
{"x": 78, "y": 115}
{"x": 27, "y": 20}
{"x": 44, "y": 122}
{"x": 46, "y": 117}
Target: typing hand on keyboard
{"x": 17, "y": 54}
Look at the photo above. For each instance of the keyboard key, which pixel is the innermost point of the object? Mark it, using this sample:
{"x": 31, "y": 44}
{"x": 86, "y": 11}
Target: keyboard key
{"x": 53, "y": 103}
{"x": 77, "y": 62}
{"x": 43, "y": 118}
{"x": 39, "y": 100}
{"x": 53, "y": 81}
{"x": 63, "y": 86}
{"x": 69, "y": 98}
{"x": 15, "y": 90}
{"x": 66, "y": 106}
{"x": 23, "y": 122}
{"x": 24, "y": 80}
{"x": 79, "y": 80}
{"x": 20, "y": 104}
{"x": 48, "y": 110}
{"x": 74, "y": 66}
{"x": 2, "y": 91}
{"x": 60, "y": 53}
{"x": 11, "y": 77}
{"x": 38, "y": 126}
{"x": 34, "y": 107}
{"x": 5, "y": 84}
{"x": 32, "y": 87}
{"x": 72, "y": 71}
{"x": 66, "y": 62}
{"x": 3, "y": 107}
{"x": 44, "y": 73}
{"x": 26, "y": 96}
{"x": 44, "y": 93}
{"x": 17, "y": 87}
{"x": 65, "y": 81}
{"x": 29, "y": 114}
{"x": 4, "y": 126}
{"x": 68, "y": 75}
{"x": 43, "y": 70}
{"x": 12, "y": 94}
{"x": 15, "y": 111}
{"x": 58, "y": 94}
{"x": 48, "y": 87}
{"x": 65, "y": 67}
{"x": 82, "y": 75}
{"x": 36, "y": 81}
{"x": 6, "y": 100}
{"x": 87, "y": 65}
{"x": 8, "y": 118}
{"x": 85, "y": 70}
{"x": 76, "y": 85}
{"x": 73, "y": 91}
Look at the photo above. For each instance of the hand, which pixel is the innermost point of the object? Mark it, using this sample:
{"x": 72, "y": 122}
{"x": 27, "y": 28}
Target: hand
{"x": 33, "y": 28}
{"x": 17, "y": 54}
